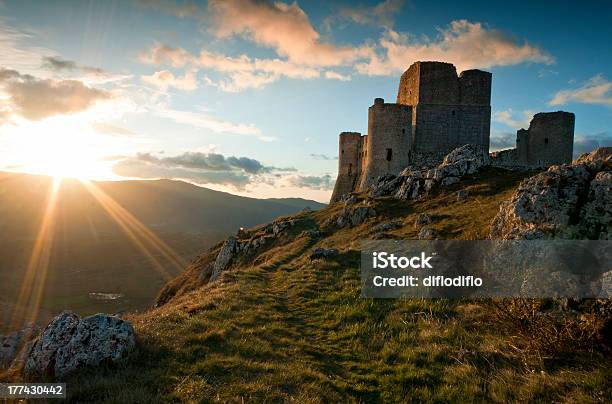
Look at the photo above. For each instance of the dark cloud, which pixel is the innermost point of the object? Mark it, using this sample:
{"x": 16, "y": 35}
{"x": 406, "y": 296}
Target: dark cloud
{"x": 504, "y": 140}
{"x": 322, "y": 157}
{"x": 58, "y": 64}
{"x": 588, "y": 143}
{"x": 212, "y": 168}
{"x": 35, "y": 99}
{"x": 143, "y": 169}
{"x": 324, "y": 182}
{"x": 207, "y": 161}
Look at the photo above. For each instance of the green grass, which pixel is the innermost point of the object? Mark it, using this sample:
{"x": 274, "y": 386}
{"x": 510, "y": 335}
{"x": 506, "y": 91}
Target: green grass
{"x": 291, "y": 329}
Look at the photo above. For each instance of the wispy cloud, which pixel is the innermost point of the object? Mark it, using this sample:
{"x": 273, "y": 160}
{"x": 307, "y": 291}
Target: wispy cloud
{"x": 514, "y": 119}
{"x": 283, "y": 27}
{"x": 165, "y": 79}
{"x": 206, "y": 121}
{"x": 466, "y": 44}
{"x": 108, "y": 129}
{"x": 597, "y": 90}
{"x": 320, "y": 182}
{"x": 381, "y": 14}
{"x": 322, "y": 157}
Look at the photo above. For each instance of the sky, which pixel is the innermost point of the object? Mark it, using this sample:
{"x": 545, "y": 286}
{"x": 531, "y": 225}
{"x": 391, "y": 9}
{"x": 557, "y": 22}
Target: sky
{"x": 249, "y": 96}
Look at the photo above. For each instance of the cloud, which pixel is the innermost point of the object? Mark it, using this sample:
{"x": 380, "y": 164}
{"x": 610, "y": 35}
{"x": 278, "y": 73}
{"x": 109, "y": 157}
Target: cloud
{"x": 322, "y": 157}
{"x": 381, "y": 14}
{"x": 36, "y": 99}
{"x": 161, "y": 54}
{"x": 283, "y": 27}
{"x": 203, "y": 168}
{"x": 584, "y": 143}
{"x": 323, "y": 182}
{"x": 337, "y": 76}
{"x": 241, "y": 72}
{"x": 466, "y": 44}
{"x": 205, "y": 121}
{"x": 501, "y": 141}
{"x": 597, "y": 90}
{"x": 58, "y": 64}
{"x": 164, "y": 79}
{"x": 108, "y": 129}
{"x": 509, "y": 118}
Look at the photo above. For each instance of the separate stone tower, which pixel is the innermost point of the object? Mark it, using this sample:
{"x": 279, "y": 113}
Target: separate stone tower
{"x": 349, "y": 163}
{"x": 549, "y": 140}
{"x": 449, "y": 111}
{"x": 386, "y": 149}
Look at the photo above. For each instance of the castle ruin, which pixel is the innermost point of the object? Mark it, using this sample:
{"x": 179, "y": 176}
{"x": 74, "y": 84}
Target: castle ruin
{"x": 437, "y": 111}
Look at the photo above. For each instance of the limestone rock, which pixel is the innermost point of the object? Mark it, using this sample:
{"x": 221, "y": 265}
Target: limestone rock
{"x": 428, "y": 233}
{"x": 353, "y": 215}
{"x": 323, "y": 253}
{"x": 14, "y": 344}
{"x": 224, "y": 257}
{"x": 69, "y": 343}
{"x": 422, "y": 219}
{"x": 388, "y": 226}
{"x": 462, "y": 195}
{"x": 570, "y": 201}
{"x": 414, "y": 182}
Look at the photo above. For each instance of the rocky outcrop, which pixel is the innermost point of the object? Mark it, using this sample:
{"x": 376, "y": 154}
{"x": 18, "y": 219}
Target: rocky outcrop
{"x": 387, "y": 226}
{"x": 571, "y": 201}
{"x": 422, "y": 219}
{"x": 352, "y": 214}
{"x": 69, "y": 343}
{"x": 428, "y": 233}
{"x": 15, "y": 344}
{"x": 414, "y": 182}
{"x": 323, "y": 253}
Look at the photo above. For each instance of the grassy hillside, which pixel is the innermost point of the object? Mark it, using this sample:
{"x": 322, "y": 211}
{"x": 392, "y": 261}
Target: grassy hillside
{"x": 92, "y": 253}
{"x": 284, "y": 328}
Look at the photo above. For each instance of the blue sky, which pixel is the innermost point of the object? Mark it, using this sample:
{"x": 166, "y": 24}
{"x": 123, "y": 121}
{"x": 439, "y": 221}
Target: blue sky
{"x": 249, "y": 96}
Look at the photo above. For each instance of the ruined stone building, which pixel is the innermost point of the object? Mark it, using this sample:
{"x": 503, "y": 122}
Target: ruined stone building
{"x": 548, "y": 140}
{"x": 436, "y": 111}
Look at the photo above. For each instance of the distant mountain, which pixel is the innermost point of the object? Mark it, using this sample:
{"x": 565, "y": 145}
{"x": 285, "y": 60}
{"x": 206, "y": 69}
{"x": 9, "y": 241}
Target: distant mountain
{"x": 92, "y": 253}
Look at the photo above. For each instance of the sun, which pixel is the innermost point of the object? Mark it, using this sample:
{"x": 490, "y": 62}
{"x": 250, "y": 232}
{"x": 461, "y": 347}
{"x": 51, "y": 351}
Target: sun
{"x": 61, "y": 148}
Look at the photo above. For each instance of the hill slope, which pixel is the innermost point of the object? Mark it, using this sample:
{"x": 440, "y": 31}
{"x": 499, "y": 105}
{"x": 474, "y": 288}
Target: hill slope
{"x": 278, "y": 326}
{"x": 92, "y": 253}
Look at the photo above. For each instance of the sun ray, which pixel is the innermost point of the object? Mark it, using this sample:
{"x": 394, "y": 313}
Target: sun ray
{"x": 147, "y": 241}
{"x": 33, "y": 284}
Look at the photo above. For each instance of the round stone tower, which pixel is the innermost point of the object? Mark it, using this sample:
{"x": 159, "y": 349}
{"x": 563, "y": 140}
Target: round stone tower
{"x": 349, "y": 164}
{"x": 387, "y": 150}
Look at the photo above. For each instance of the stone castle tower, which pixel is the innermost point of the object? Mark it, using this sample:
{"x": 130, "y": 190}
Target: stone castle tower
{"x": 437, "y": 111}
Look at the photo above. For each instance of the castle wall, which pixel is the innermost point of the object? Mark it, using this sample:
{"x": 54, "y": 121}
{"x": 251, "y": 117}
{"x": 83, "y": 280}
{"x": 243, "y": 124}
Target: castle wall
{"x": 522, "y": 146}
{"x": 475, "y": 87}
{"x": 449, "y": 111}
{"x": 548, "y": 141}
{"x": 387, "y": 150}
{"x": 551, "y": 138}
{"x": 349, "y": 164}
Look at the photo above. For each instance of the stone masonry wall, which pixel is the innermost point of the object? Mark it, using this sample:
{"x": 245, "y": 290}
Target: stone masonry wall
{"x": 349, "y": 164}
{"x": 388, "y": 145}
